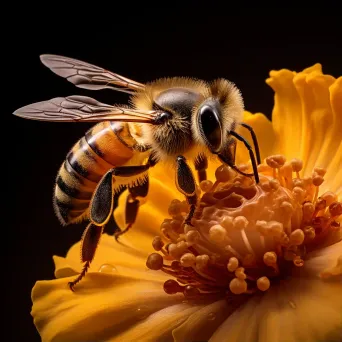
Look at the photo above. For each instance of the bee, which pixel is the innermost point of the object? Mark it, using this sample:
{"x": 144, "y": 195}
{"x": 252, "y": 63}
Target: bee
{"x": 170, "y": 121}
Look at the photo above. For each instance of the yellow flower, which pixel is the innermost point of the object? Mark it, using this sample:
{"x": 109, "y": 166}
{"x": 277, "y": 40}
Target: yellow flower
{"x": 291, "y": 222}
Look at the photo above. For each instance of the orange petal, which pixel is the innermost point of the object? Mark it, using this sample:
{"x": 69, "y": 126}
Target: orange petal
{"x": 332, "y": 154}
{"x": 159, "y": 326}
{"x": 287, "y": 113}
{"x": 303, "y": 308}
{"x": 299, "y": 310}
{"x": 162, "y": 191}
{"x": 201, "y": 325}
{"x": 102, "y": 307}
{"x": 111, "y": 258}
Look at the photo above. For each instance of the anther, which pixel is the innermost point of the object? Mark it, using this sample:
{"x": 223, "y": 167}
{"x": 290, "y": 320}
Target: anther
{"x": 175, "y": 265}
{"x": 317, "y": 180}
{"x": 298, "y": 194}
{"x": 172, "y": 287}
{"x": 297, "y": 165}
{"x": 240, "y": 222}
{"x": 335, "y": 209}
{"x": 227, "y": 222}
{"x": 240, "y": 273}
{"x": 223, "y": 174}
{"x": 308, "y": 210}
{"x": 217, "y": 234}
{"x": 263, "y": 284}
{"x": 188, "y": 260}
{"x": 276, "y": 161}
{"x": 202, "y": 261}
{"x": 320, "y": 171}
{"x": 287, "y": 207}
{"x": 270, "y": 258}
{"x": 309, "y": 232}
{"x": 275, "y": 228}
{"x": 297, "y": 237}
{"x": 177, "y": 250}
{"x": 329, "y": 197}
{"x": 154, "y": 261}
{"x": 157, "y": 243}
{"x": 191, "y": 291}
{"x": 320, "y": 204}
{"x": 175, "y": 207}
{"x": 238, "y": 286}
{"x": 298, "y": 261}
{"x": 233, "y": 264}
{"x": 192, "y": 236}
{"x": 274, "y": 184}
{"x": 206, "y": 185}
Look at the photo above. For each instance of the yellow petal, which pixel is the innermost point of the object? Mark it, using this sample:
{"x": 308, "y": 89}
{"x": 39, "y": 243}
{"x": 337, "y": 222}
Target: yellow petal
{"x": 240, "y": 326}
{"x": 111, "y": 258}
{"x": 162, "y": 191}
{"x": 322, "y": 259}
{"x": 333, "y": 155}
{"x": 303, "y": 308}
{"x": 287, "y": 113}
{"x": 102, "y": 308}
{"x": 299, "y": 310}
{"x": 313, "y": 90}
{"x": 159, "y": 326}
{"x": 201, "y": 324}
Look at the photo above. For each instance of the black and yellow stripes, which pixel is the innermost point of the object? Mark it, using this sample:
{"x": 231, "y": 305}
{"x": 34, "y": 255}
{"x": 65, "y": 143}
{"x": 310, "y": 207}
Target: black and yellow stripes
{"x": 101, "y": 149}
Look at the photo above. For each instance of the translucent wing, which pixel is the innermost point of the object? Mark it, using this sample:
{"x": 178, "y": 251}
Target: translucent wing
{"x": 82, "y": 109}
{"x": 88, "y": 76}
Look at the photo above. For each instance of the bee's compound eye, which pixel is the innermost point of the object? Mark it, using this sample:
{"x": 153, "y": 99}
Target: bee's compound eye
{"x": 210, "y": 127}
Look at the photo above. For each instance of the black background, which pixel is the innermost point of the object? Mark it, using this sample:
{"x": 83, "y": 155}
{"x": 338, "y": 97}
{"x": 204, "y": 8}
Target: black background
{"x": 242, "y": 47}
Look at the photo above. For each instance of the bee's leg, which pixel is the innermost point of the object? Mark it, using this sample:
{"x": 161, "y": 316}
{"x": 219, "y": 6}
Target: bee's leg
{"x": 90, "y": 240}
{"x": 133, "y": 204}
{"x": 201, "y": 165}
{"x": 255, "y": 141}
{"x": 101, "y": 207}
{"x": 185, "y": 183}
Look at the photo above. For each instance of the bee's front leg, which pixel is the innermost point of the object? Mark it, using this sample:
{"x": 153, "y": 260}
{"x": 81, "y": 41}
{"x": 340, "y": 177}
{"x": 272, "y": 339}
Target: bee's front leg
{"x": 201, "y": 165}
{"x": 185, "y": 183}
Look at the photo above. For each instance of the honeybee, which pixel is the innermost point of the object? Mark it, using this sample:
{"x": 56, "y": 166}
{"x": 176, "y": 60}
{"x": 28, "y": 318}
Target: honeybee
{"x": 170, "y": 120}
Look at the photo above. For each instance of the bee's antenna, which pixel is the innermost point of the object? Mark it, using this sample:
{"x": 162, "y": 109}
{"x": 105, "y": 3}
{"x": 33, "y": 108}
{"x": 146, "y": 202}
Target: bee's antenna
{"x": 251, "y": 154}
{"x": 255, "y": 141}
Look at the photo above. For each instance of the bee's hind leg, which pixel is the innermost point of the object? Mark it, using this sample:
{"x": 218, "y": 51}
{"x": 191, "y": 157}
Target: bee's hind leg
{"x": 100, "y": 210}
{"x": 133, "y": 204}
{"x": 185, "y": 183}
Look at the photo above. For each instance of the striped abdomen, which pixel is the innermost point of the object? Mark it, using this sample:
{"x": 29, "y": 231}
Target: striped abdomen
{"x": 102, "y": 148}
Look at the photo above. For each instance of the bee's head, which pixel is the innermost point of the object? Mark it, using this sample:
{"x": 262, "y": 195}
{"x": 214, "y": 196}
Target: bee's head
{"x": 217, "y": 115}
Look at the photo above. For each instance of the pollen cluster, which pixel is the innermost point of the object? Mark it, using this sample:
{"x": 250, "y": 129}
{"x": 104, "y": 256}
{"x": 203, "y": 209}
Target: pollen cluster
{"x": 245, "y": 237}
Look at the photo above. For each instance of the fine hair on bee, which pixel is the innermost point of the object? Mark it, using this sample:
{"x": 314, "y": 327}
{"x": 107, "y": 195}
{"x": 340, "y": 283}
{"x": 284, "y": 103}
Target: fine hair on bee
{"x": 170, "y": 121}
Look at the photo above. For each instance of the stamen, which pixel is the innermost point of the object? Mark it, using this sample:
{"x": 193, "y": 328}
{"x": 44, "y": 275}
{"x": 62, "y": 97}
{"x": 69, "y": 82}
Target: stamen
{"x": 238, "y": 286}
{"x": 263, "y": 284}
{"x": 246, "y": 237}
{"x": 157, "y": 243}
{"x": 233, "y": 264}
{"x": 154, "y": 261}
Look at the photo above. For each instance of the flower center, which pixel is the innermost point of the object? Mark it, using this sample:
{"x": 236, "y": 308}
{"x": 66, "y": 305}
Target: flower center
{"x": 245, "y": 237}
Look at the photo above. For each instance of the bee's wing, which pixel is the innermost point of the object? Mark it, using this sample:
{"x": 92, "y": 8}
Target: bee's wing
{"x": 82, "y": 109}
{"x": 88, "y": 76}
